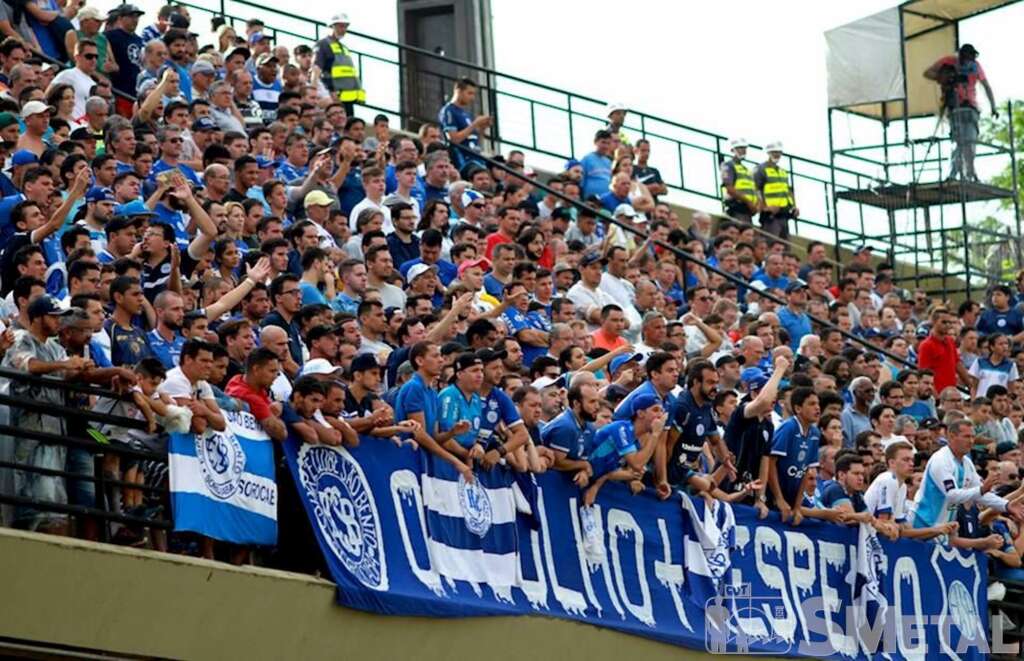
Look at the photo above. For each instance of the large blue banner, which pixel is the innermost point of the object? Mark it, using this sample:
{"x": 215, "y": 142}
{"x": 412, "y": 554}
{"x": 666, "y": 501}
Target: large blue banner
{"x": 401, "y": 538}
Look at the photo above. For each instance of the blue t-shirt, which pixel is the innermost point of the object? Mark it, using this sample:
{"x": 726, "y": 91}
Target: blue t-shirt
{"x": 289, "y": 173}
{"x": 797, "y": 325}
{"x": 611, "y": 443}
{"x": 351, "y": 191}
{"x": 415, "y": 396}
{"x": 797, "y": 451}
{"x": 455, "y": 407}
{"x": 493, "y": 286}
{"x": 780, "y": 282}
{"x": 453, "y": 118}
{"x": 498, "y": 408}
{"x": 1009, "y": 322}
{"x": 610, "y": 201}
{"x": 918, "y": 410}
{"x": 695, "y": 424}
{"x": 311, "y": 295}
{"x": 168, "y": 353}
{"x": 565, "y": 434}
{"x": 517, "y": 321}
{"x": 597, "y": 174}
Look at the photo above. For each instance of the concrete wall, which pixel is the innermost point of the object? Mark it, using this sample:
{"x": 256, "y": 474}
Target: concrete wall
{"x": 103, "y": 599}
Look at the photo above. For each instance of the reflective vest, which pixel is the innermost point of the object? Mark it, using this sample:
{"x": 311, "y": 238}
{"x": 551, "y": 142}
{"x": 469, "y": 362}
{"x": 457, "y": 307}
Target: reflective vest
{"x": 344, "y": 77}
{"x": 776, "y": 186}
{"x": 743, "y": 183}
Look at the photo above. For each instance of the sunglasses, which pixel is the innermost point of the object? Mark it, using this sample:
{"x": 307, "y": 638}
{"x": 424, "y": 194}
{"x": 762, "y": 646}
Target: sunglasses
{"x": 91, "y": 56}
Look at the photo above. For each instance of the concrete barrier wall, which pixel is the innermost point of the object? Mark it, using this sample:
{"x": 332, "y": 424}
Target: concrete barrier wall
{"x": 84, "y": 597}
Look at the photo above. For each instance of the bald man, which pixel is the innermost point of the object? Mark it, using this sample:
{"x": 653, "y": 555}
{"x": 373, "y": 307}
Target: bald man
{"x": 276, "y": 339}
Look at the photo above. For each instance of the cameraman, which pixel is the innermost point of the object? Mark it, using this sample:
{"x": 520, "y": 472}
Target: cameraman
{"x": 958, "y": 76}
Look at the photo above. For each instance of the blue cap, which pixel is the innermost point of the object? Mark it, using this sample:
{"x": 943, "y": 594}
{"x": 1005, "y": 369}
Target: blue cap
{"x": 795, "y": 285}
{"x": 100, "y": 194}
{"x": 255, "y": 36}
{"x": 204, "y": 124}
{"x": 753, "y": 378}
{"x": 262, "y": 162}
{"x": 642, "y": 403}
{"x": 619, "y": 361}
{"x": 133, "y": 208}
{"x": 571, "y": 163}
{"x": 23, "y": 157}
{"x": 469, "y": 196}
{"x": 46, "y": 305}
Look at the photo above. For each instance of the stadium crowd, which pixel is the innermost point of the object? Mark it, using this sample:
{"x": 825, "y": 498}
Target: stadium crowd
{"x": 238, "y": 239}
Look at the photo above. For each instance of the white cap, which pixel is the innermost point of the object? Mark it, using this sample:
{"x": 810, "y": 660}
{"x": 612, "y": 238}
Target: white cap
{"x": 89, "y": 12}
{"x": 738, "y": 142}
{"x": 319, "y": 366}
{"x": 625, "y": 210}
{"x": 340, "y": 17}
{"x": 416, "y": 270}
{"x": 614, "y": 107}
{"x": 34, "y": 108}
{"x": 542, "y": 382}
{"x": 774, "y": 146}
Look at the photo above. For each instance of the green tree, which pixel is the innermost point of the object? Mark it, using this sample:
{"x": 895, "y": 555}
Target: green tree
{"x": 996, "y": 131}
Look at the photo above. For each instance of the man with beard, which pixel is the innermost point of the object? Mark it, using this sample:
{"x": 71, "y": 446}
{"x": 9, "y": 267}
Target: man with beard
{"x": 177, "y": 48}
{"x": 166, "y": 340}
{"x": 570, "y": 434}
{"x": 502, "y": 432}
{"x": 99, "y": 206}
{"x": 693, "y": 425}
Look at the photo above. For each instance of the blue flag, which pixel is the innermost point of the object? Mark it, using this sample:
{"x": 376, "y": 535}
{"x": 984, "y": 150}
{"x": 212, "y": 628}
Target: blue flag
{"x": 222, "y": 483}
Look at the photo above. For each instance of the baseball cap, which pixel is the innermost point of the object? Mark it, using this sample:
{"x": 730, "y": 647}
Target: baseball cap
{"x": 262, "y": 162}
{"x": 256, "y": 36}
{"x": 626, "y": 210}
{"x": 642, "y": 403}
{"x": 204, "y": 66}
{"x": 34, "y": 108}
{"x": 134, "y": 208}
{"x": 238, "y": 50}
{"x": 319, "y": 366}
{"x": 340, "y": 17}
{"x": 266, "y": 58}
{"x": 724, "y": 360}
{"x": 23, "y": 157}
{"x": 1002, "y": 447}
{"x": 319, "y": 331}
{"x": 316, "y": 198}
{"x": 753, "y": 378}
{"x": 89, "y": 12}
{"x": 77, "y": 317}
{"x": 542, "y": 382}
{"x": 618, "y": 362}
{"x": 590, "y": 258}
{"x": 488, "y": 355}
{"x": 571, "y": 163}
{"x": 177, "y": 20}
{"x": 482, "y": 262}
{"x": 204, "y": 124}
{"x": 562, "y": 267}
{"x": 126, "y": 9}
{"x": 100, "y": 194}
{"x": 469, "y": 196}
{"x": 416, "y": 270}
{"x": 862, "y": 248}
{"x": 969, "y": 48}
{"x": 466, "y": 360}
{"x": 7, "y": 119}
{"x": 46, "y": 305}
{"x": 118, "y": 223}
{"x": 796, "y": 285}
{"x": 363, "y": 362}
{"x": 930, "y": 423}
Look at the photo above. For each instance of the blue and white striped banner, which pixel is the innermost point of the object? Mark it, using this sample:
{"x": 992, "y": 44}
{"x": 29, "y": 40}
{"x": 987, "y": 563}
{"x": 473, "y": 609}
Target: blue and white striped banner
{"x": 222, "y": 483}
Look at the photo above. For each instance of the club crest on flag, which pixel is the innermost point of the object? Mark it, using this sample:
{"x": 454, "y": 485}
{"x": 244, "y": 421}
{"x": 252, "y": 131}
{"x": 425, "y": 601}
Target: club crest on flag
{"x": 221, "y": 461}
{"x": 476, "y": 507}
{"x": 345, "y": 511}
{"x": 962, "y": 609}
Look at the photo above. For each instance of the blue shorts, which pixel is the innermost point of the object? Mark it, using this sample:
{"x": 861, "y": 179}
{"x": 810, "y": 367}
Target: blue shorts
{"x": 81, "y": 492}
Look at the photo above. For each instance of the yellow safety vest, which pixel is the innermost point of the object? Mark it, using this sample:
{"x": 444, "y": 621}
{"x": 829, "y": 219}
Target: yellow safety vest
{"x": 344, "y": 77}
{"x": 743, "y": 183}
{"x": 776, "y": 186}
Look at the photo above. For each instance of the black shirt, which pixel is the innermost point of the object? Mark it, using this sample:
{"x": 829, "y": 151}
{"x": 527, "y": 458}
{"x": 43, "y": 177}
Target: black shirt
{"x": 127, "y": 48}
{"x": 359, "y": 408}
{"x": 8, "y": 271}
{"x": 749, "y": 439}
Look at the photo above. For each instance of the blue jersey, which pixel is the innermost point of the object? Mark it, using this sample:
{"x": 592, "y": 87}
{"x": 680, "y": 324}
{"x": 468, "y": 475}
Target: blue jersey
{"x": 622, "y": 411}
{"x": 797, "y": 452}
{"x": 266, "y": 94}
{"x": 597, "y": 174}
{"x": 498, "y": 408}
{"x": 454, "y": 118}
{"x": 168, "y": 353}
{"x": 1009, "y": 322}
{"x": 611, "y": 443}
{"x": 695, "y": 424}
{"x": 517, "y": 321}
{"x": 772, "y": 283}
{"x": 163, "y": 166}
{"x": 289, "y": 173}
{"x": 456, "y": 407}
{"x": 567, "y": 433}
{"x": 796, "y": 325}
{"x": 415, "y": 396}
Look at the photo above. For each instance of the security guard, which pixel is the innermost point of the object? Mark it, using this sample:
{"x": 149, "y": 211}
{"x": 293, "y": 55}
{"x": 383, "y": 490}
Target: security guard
{"x": 337, "y": 68}
{"x": 739, "y": 195}
{"x": 778, "y": 203}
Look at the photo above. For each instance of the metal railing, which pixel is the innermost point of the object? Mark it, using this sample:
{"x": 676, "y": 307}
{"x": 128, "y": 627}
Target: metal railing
{"x": 74, "y": 422}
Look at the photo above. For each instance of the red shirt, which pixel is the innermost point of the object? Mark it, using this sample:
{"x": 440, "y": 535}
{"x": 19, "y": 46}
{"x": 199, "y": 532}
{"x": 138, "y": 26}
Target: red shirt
{"x": 493, "y": 240}
{"x": 967, "y": 91}
{"x": 259, "y": 402}
{"x": 940, "y": 356}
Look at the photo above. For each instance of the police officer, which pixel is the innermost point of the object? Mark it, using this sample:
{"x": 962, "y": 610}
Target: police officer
{"x": 739, "y": 195}
{"x": 338, "y": 69}
{"x": 778, "y": 203}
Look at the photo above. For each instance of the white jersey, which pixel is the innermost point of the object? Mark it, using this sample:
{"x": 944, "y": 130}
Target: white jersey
{"x": 947, "y": 483}
{"x": 887, "y": 495}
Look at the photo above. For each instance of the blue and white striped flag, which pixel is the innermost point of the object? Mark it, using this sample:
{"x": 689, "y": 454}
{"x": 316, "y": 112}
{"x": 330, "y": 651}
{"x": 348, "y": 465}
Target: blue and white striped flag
{"x": 222, "y": 483}
{"x": 471, "y": 527}
{"x": 709, "y": 534}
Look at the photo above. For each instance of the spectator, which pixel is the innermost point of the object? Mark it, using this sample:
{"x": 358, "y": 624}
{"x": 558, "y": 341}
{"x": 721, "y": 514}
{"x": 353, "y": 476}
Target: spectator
{"x": 597, "y": 166}
{"x": 795, "y": 454}
{"x": 81, "y": 76}
{"x": 458, "y": 123}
